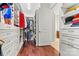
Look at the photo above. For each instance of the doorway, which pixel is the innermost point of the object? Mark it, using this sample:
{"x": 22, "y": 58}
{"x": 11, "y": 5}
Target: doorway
{"x": 29, "y": 31}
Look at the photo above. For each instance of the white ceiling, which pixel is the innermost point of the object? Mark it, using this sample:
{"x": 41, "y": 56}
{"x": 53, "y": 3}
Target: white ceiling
{"x": 33, "y": 7}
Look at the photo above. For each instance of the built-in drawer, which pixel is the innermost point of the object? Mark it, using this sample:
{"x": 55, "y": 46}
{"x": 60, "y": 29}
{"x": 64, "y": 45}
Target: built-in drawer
{"x": 68, "y": 49}
{"x": 10, "y": 38}
{"x": 7, "y": 49}
{"x": 71, "y": 39}
{"x": 8, "y": 32}
{"x": 10, "y": 48}
{"x": 66, "y": 38}
{"x": 65, "y": 50}
{"x": 71, "y": 31}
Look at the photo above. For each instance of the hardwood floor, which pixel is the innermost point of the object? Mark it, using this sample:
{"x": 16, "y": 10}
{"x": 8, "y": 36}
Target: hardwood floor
{"x": 29, "y": 49}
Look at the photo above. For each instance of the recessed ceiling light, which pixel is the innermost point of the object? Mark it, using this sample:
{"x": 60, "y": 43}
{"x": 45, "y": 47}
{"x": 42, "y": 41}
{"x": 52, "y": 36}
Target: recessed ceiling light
{"x": 28, "y": 6}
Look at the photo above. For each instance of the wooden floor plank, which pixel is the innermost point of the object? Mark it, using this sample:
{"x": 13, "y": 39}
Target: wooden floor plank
{"x": 29, "y": 49}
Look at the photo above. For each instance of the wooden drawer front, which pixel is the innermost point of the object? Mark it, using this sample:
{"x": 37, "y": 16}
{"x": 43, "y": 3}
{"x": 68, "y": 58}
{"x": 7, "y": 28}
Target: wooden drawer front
{"x": 16, "y": 46}
{"x": 7, "y": 49}
{"x": 66, "y": 38}
{"x": 7, "y": 52}
{"x": 10, "y": 49}
{"x": 73, "y": 31}
{"x": 14, "y": 50}
{"x": 67, "y": 48}
{"x": 74, "y": 44}
{"x": 11, "y": 45}
{"x": 73, "y": 40}
{"x": 8, "y": 32}
{"x": 69, "y": 31}
{"x": 10, "y": 39}
{"x": 69, "y": 35}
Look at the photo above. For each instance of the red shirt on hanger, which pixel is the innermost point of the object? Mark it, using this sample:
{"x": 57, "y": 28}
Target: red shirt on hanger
{"x": 22, "y": 20}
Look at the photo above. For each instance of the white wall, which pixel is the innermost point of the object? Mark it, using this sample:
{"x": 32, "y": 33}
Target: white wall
{"x": 33, "y": 7}
{"x": 58, "y": 13}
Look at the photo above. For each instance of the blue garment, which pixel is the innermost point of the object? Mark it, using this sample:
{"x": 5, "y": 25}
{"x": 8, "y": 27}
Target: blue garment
{"x": 28, "y": 24}
{"x": 29, "y": 34}
{"x": 8, "y": 13}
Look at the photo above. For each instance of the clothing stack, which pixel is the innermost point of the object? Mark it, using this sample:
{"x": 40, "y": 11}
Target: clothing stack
{"x": 75, "y": 21}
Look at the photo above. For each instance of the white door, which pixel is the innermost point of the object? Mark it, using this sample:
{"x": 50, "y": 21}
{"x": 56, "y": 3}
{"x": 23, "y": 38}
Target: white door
{"x": 46, "y": 26}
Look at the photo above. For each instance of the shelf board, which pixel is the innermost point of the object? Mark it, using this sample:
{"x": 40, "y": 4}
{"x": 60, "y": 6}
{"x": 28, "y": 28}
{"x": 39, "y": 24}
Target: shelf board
{"x": 71, "y": 13}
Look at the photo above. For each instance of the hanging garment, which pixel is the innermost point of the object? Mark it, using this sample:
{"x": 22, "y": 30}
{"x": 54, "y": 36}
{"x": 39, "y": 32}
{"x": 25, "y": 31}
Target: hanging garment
{"x": 4, "y": 5}
{"x": 7, "y": 13}
{"x": 28, "y": 24}
{"x": 22, "y": 20}
{"x": 7, "y": 21}
{"x": 29, "y": 35}
{"x": 7, "y": 16}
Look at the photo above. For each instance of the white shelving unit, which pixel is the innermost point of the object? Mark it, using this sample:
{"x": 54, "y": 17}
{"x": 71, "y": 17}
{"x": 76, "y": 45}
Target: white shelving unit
{"x": 69, "y": 40}
{"x": 10, "y": 34}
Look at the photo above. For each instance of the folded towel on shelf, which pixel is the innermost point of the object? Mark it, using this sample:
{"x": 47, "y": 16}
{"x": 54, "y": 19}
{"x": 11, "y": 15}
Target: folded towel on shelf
{"x": 75, "y": 21}
{"x": 73, "y": 8}
{"x": 75, "y": 25}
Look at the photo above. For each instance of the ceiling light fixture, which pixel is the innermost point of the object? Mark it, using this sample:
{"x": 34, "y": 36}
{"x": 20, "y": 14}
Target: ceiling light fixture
{"x": 28, "y": 6}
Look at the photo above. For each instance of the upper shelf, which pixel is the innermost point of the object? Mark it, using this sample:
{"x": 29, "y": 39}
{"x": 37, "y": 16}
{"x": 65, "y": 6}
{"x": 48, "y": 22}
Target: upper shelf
{"x": 6, "y": 26}
{"x": 69, "y": 5}
{"x": 74, "y": 7}
{"x": 71, "y": 13}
